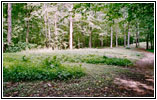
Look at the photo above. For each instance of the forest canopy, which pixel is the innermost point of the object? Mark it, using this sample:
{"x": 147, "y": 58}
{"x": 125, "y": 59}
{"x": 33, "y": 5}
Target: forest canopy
{"x": 76, "y": 25}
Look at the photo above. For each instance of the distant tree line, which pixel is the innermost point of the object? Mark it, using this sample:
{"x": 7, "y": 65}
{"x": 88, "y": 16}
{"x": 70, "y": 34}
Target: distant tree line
{"x": 76, "y": 25}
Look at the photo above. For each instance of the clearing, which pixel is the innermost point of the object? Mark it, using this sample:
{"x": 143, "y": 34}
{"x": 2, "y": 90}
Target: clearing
{"x": 101, "y": 80}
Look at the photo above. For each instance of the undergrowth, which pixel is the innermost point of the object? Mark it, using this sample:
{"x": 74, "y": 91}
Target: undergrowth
{"x": 49, "y": 69}
{"x": 94, "y": 59}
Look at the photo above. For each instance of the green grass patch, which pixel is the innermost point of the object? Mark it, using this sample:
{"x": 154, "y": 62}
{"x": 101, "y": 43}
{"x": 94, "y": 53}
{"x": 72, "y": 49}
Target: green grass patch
{"x": 48, "y": 69}
{"x": 94, "y": 59}
{"x": 151, "y": 50}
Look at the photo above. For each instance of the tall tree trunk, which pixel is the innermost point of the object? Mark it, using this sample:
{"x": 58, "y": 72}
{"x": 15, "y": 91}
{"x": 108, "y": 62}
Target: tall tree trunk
{"x": 9, "y": 24}
{"x": 147, "y": 41}
{"x": 116, "y": 39}
{"x": 90, "y": 39}
{"x": 56, "y": 23}
{"x": 111, "y": 37}
{"x": 151, "y": 43}
{"x": 45, "y": 20}
{"x": 128, "y": 36}
{"x": 71, "y": 31}
{"x": 49, "y": 31}
{"x": 102, "y": 43}
{"x": 136, "y": 36}
{"x": 27, "y": 34}
{"x": 124, "y": 40}
{"x": 124, "y": 35}
{"x": 78, "y": 43}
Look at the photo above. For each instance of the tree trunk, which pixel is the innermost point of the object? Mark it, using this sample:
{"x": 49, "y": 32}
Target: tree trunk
{"x": 124, "y": 40}
{"x": 90, "y": 39}
{"x": 124, "y": 35}
{"x": 136, "y": 36}
{"x": 116, "y": 39}
{"x": 9, "y": 24}
{"x": 147, "y": 41}
{"x": 71, "y": 31}
{"x": 128, "y": 36}
{"x": 102, "y": 43}
{"x": 151, "y": 43}
{"x": 27, "y": 34}
{"x": 78, "y": 43}
{"x": 111, "y": 38}
{"x": 55, "y": 23}
{"x": 49, "y": 31}
{"x": 45, "y": 20}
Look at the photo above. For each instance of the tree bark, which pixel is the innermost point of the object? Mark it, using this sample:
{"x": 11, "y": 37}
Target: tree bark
{"x": 136, "y": 36}
{"x": 124, "y": 40}
{"x": 102, "y": 43}
{"x": 49, "y": 31}
{"x": 45, "y": 20}
{"x": 90, "y": 39}
{"x": 9, "y": 24}
{"x": 78, "y": 43}
{"x": 71, "y": 31}
{"x": 111, "y": 37}
{"x": 56, "y": 23}
{"x": 147, "y": 41}
{"x": 27, "y": 34}
{"x": 128, "y": 36}
{"x": 116, "y": 39}
{"x": 151, "y": 43}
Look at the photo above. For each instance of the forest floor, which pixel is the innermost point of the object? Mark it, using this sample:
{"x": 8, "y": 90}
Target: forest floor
{"x": 100, "y": 81}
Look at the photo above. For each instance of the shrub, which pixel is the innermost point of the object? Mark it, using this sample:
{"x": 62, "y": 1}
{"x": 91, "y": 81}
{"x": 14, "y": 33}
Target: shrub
{"x": 19, "y": 47}
{"x": 28, "y": 72}
{"x": 93, "y": 59}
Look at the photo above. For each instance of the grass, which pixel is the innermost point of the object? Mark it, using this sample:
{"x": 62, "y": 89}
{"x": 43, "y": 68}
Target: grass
{"x": 83, "y": 72}
{"x": 49, "y": 66}
{"x": 98, "y": 77}
{"x": 48, "y": 69}
{"x": 151, "y": 50}
{"x": 28, "y": 68}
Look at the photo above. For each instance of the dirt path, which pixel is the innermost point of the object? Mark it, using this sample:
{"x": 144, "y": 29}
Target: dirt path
{"x": 146, "y": 64}
{"x": 145, "y": 85}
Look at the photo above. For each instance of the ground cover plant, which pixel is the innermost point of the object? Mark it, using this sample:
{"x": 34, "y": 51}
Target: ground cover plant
{"x": 48, "y": 69}
{"x": 68, "y": 73}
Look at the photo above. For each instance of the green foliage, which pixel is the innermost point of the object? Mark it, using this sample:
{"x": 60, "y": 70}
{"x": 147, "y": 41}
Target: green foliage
{"x": 20, "y": 46}
{"x": 51, "y": 69}
{"x": 96, "y": 18}
{"x": 24, "y": 58}
{"x": 108, "y": 61}
{"x": 151, "y": 50}
{"x": 93, "y": 59}
{"x": 127, "y": 47}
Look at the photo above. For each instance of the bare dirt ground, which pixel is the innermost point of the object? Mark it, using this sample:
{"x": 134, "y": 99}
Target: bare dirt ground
{"x": 145, "y": 85}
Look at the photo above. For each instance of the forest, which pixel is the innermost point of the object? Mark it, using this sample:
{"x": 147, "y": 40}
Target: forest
{"x": 78, "y": 49}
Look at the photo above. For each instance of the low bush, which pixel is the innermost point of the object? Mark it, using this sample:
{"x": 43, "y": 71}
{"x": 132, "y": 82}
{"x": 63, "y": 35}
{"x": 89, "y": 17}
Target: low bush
{"x": 151, "y": 50}
{"x": 50, "y": 69}
{"x": 93, "y": 59}
{"x": 19, "y": 47}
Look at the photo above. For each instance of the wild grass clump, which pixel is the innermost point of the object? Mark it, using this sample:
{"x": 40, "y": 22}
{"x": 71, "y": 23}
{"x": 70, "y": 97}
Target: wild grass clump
{"x": 151, "y": 50}
{"x": 49, "y": 69}
{"x": 108, "y": 61}
{"x": 94, "y": 59}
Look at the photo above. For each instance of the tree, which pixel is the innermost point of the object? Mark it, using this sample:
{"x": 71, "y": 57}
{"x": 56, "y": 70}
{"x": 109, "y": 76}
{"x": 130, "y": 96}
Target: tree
{"x": 9, "y": 24}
